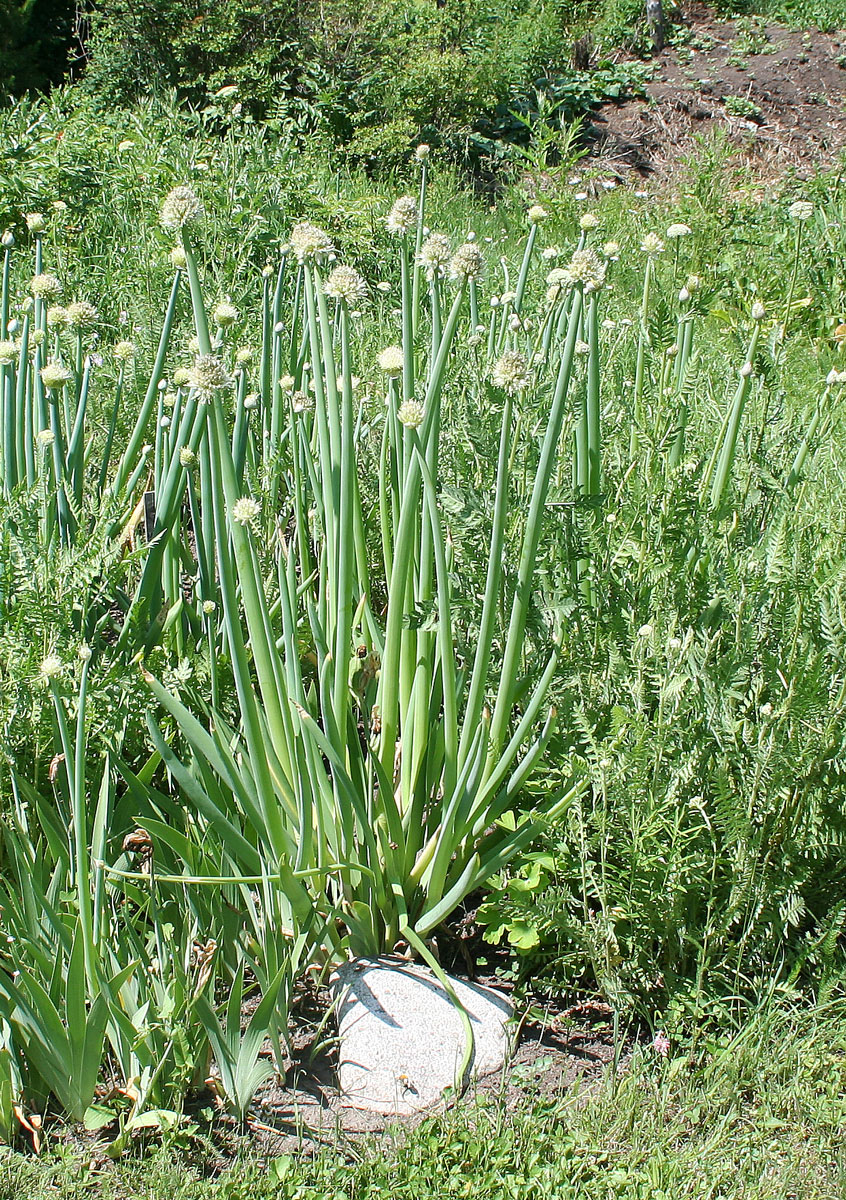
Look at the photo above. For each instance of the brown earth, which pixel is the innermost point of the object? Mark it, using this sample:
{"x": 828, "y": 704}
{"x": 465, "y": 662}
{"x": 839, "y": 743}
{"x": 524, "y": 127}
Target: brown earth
{"x": 796, "y": 82}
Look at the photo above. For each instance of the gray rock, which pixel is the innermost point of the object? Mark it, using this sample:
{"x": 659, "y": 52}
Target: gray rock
{"x": 401, "y": 1038}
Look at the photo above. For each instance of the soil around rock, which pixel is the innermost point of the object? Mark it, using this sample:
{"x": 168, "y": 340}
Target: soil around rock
{"x": 778, "y": 94}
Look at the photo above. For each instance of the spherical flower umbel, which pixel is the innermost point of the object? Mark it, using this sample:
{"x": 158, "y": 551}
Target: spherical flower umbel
{"x": 800, "y": 210}
{"x": 345, "y": 283}
{"x": 45, "y": 287}
{"x": 585, "y": 268}
{"x": 536, "y": 214}
{"x": 511, "y": 372}
{"x": 391, "y": 360}
{"x": 403, "y": 215}
{"x": 435, "y": 254}
{"x": 54, "y": 375}
{"x": 178, "y": 258}
{"x": 181, "y": 206}
{"x": 51, "y": 667}
{"x": 45, "y": 438}
{"x": 124, "y": 351}
{"x": 35, "y": 222}
{"x": 225, "y": 314}
{"x": 588, "y": 221}
{"x": 82, "y": 315}
{"x": 8, "y": 353}
{"x": 245, "y": 510}
{"x": 652, "y": 245}
{"x": 309, "y": 243}
{"x": 410, "y": 414}
{"x": 187, "y": 457}
{"x": 758, "y": 311}
{"x": 422, "y": 152}
{"x": 57, "y": 317}
{"x": 678, "y": 230}
{"x": 208, "y": 376}
{"x": 467, "y": 263}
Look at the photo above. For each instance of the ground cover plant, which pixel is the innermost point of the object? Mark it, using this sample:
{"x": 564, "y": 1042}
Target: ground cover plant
{"x": 351, "y": 568}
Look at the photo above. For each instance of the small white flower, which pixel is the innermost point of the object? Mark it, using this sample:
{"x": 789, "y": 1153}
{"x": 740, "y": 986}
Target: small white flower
{"x": 435, "y": 254}
{"x": 511, "y": 372}
{"x": 51, "y": 667}
{"x": 187, "y": 457}
{"x": 800, "y": 210}
{"x": 645, "y": 631}
{"x": 82, "y": 315}
{"x": 345, "y": 283}
{"x": 8, "y": 353}
{"x": 35, "y": 222}
{"x": 310, "y": 243}
{"x": 679, "y": 230}
{"x": 684, "y": 296}
{"x": 181, "y": 207}
{"x": 422, "y": 152}
{"x": 467, "y": 263}
{"x": 746, "y": 370}
{"x": 181, "y": 377}
{"x": 245, "y": 510}
{"x": 693, "y": 283}
{"x": 758, "y": 311}
{"x": 225, "y": 314}
{"x": 45, "y": 438}
{"x": 410, "y": 414}
{"x": 287, "y": 383}
{"x": 244, "y": 356}
{"x": 54, "y": 375}
{"x": 403, "y": 215}
{"x": 45, "y": 287}
{"x": 581, "y": 348}
{"x": 124, "y": 351}
{"x": 178, "y": 258}
{"x": 536, "y": 214}
{"x": 652, "y": 245}
{"x": 588, "y": 221}
{"x": 585, "y": 268}
{"x": 84, "y": 653}
{"x": 391, "y": 360}
{"x": 208, "y": 377}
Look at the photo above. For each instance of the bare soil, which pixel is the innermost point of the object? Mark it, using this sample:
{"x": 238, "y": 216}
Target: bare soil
{"x": 795, "y": 81}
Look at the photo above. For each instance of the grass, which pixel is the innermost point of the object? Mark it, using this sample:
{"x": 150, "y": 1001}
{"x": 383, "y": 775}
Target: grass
{"x": 758, "y": 1116}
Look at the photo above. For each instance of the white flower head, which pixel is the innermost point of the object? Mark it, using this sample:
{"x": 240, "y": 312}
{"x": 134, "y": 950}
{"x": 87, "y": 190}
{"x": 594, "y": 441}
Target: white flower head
{"x": 8, "y": 353}
{"x": 403, "y": 215}
{"x": 411, "y": 414}
{"x": 181, "y": 207}
{"x": 124, "y": 351}
{"x": 679, "y": 230}
{"x": 187, "y": 457}
{"x": 57, "y": 317}
{"x": 435, "y": 254}
{"x": 178, "y": 258}
{"x": 245, "y": 510}
{"x": 800, "y": 210}
{"x": 611, "y": 250}
{"x": 345, "y": 283}
{"x": 45, "y": 287}
{"x": 585, "y": 268}
{"x": 51, "y": 667}
{"x": 287, "y": 383}
{"x": 467, "y": 263}
{"x": 35, "y": 222}
{"x": 391, "y": 360}
{"x": 422, "y": 152}
{"x": 652, "y": 245}
{"x": 588, "y": 221}
{"x": 45, "y": 438}
{"x": 225, "y": 314}
{"x": 208, "y": 377}
{"x": 511, "y": 372}
{"x": 310, "y": 243}
{"x": 536, "y": 214}
{"x": 54, "y": 375}
{"x": 758, "y": 311}
{"x": 208, "y": 607}
{"x": 82, "y": 315}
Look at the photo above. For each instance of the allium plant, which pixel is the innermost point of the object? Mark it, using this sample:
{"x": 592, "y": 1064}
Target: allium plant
{"x": 370, "y": 780}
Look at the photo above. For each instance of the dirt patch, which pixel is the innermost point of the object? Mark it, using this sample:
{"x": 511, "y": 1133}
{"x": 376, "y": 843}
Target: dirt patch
{"x": 306, "y": 1111}
{"x": 779, "y": 95}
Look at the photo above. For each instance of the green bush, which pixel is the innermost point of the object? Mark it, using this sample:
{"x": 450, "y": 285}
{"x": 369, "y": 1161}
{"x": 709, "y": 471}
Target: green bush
{"x": 35, "y": 36}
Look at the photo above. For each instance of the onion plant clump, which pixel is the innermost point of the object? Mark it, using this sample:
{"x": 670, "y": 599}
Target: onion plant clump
{"x": 353, "y": 772}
